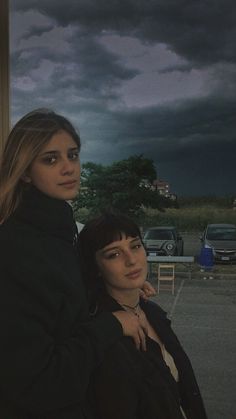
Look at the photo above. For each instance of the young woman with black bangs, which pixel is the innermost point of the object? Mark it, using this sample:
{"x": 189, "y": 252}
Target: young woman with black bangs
{"x": 158, "y": 383}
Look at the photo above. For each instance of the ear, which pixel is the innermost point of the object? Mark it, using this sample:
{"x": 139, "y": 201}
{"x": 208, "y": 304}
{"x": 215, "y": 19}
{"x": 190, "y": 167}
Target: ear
{"x": 26, "y": 178}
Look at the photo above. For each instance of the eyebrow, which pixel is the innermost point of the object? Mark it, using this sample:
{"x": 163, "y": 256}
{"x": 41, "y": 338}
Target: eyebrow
{"x": 107, "y": 249}
{"x": 57, "y": 151}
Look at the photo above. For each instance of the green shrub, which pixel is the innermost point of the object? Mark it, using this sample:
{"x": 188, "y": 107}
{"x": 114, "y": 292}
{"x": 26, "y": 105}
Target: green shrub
{"x": 188, "y": 219}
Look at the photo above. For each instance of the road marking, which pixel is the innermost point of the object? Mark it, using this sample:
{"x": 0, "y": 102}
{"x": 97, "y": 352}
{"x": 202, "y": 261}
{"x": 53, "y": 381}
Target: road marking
{"x": 192, "y": 326}
{"x": 176, "y": 299}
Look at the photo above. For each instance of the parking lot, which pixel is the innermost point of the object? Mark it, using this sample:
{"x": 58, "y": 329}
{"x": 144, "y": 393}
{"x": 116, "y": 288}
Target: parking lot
{"x": 203, "y": 314}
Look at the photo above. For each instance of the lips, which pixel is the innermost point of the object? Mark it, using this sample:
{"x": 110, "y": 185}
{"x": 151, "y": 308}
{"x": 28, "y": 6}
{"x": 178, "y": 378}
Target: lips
{"x": 134, "y": 274}
{"x": 68, "y": 183}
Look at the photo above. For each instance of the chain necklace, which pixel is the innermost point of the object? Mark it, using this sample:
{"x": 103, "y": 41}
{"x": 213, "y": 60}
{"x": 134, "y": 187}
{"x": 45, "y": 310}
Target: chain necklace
{"x": 134, "y": 309}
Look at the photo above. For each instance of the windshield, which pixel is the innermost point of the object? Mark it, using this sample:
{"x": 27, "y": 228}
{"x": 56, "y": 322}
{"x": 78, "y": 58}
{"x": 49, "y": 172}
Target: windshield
{"x": 221, "y": 233}
{"x": 159, "y": 235}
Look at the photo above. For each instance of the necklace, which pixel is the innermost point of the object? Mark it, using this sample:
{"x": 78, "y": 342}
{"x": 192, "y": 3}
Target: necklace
{"x": 135, "y": 309}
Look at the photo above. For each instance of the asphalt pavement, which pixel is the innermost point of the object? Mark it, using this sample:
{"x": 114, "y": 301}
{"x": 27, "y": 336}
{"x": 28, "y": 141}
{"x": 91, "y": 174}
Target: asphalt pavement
{"x": 203, "y": 314}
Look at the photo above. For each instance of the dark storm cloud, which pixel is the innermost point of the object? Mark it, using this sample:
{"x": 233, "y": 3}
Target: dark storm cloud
{"x": 203, "y": 32}
{"x": 192, "y": 141}
{"x": 193, "y": 144}
{"x": 36, "y": 31}
{"x": 84, "y": 68}
{"x": 98, "y": 65}
{"x": 27, "y": 59}
{"x": 190, "y": 125}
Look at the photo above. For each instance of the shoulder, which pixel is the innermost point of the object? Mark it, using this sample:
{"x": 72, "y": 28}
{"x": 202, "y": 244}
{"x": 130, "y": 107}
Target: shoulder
{"x": 16, "y": 237}
{"x": 158, "y": 318}
{"x": 25, "y": 253}
{"x": 9, "y": 235}
{"x": 153, "y": 309}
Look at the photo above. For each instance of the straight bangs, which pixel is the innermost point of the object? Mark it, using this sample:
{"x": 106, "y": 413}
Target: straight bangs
{"x": 106, "y": 229}
{"x": 113, "y": 229}
{"x": 97, "y": 234}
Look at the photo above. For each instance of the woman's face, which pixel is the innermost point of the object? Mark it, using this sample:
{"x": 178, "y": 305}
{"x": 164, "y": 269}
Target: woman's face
{"x": 123, "y": 264}
{"x": 56, "y": 170}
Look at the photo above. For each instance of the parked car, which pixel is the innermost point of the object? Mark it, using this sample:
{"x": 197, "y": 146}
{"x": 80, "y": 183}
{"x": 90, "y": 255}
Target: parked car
{"x": 221, "y": 238}
{"x": 163, "y": 241}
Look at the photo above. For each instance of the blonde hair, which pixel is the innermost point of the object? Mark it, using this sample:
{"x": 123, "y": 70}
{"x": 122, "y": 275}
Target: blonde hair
{"x": 27, "y": 138}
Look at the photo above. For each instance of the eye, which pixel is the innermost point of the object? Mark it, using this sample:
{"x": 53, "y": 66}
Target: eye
{"x": 112, "y": 255}
{"x": 50, "y": 159}
{"x": 73, "y": 155}
{"x": 136, "y": 245}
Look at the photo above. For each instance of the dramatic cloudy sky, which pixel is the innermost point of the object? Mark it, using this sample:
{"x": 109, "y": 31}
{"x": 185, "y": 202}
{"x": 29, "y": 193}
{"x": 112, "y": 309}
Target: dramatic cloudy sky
{"x": 152, "y": 77}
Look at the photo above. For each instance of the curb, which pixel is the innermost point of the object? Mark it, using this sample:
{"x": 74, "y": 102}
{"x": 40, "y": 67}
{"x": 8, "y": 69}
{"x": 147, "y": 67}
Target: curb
{"x": 207, "y": 275}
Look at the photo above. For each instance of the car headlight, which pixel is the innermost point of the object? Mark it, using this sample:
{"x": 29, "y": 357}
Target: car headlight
{"x": 169, "y": 246}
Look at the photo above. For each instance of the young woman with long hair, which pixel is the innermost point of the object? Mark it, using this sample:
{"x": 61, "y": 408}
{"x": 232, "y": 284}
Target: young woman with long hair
{"x": 49, "y": 345}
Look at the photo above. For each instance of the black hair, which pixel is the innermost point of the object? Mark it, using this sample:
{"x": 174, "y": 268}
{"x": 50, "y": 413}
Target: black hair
{"x": 96, "y": 234}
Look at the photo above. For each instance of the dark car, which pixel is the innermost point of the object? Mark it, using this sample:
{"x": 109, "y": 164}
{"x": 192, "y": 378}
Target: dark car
{"x": 163, "y": 241}
{"x": 221, "y": 238}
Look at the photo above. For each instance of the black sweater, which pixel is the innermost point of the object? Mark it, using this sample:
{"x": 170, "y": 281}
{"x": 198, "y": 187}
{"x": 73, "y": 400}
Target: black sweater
{"x": 48, "y": 347}
{"x": 132, "y": 384}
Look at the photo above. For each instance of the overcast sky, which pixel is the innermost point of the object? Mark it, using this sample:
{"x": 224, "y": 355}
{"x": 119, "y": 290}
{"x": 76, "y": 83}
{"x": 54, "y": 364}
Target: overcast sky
{"x": 151, "y": 77}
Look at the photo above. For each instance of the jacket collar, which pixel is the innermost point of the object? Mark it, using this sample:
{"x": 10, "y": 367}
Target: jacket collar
{"x": 155, "y": 314}
{"x": 49, "y": 215}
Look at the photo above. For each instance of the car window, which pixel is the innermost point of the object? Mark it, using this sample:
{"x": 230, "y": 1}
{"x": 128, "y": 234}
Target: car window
{"x": 159, "y": 235}
{"x": 221, "y": 234}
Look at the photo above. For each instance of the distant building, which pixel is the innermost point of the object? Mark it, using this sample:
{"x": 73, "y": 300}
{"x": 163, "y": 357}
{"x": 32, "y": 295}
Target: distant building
{"x": 162, "y": 187}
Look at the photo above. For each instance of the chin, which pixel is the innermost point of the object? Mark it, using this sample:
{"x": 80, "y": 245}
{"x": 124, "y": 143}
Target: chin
{"x": 67, "y": 196}
{"x": 72, "y": 196}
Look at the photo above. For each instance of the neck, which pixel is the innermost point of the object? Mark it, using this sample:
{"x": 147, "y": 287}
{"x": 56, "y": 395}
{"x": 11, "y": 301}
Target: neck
{"x": 129, "y": 298}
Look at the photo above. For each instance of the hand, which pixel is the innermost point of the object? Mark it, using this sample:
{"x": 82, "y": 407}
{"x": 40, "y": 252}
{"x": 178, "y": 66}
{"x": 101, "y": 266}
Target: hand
{"x": 134, "y": 327}
{"x": 147, "y": 291}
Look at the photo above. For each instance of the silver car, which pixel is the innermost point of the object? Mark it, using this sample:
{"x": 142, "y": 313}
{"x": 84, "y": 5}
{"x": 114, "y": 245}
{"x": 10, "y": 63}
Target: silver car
{"x": 163, "y": 241}
{"x": 221, "y": 238}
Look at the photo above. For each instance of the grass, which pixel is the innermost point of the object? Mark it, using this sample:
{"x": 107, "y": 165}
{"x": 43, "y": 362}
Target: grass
{"x": 189, "y": 219}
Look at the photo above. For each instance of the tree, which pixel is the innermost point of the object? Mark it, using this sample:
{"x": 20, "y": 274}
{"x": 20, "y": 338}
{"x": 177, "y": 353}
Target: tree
{"x": 125, "y": 185}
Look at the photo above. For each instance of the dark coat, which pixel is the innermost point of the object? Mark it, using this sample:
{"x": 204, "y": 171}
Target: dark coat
{"x": 48, "y": 346}
{"x": 132, "y": 384}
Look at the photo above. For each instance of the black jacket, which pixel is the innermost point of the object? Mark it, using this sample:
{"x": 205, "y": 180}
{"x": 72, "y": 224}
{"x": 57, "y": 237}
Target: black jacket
{"x": 132, "y": 384}
{"x": 48, "y": 347}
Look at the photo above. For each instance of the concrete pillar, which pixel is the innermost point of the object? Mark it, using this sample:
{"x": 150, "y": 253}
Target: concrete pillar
{"x": 4, "y": 72}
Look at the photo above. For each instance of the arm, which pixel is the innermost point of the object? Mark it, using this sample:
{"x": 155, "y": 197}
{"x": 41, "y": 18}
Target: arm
{"x": 114, "y": 387}
{"x": 46, "y": 354}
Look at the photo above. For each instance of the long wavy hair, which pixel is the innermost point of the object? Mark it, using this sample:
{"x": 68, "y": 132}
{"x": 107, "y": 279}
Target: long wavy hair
{"x": 26, "y": 140}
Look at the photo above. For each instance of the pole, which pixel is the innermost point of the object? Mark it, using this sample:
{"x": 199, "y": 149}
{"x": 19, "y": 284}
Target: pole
{"x": 4, "y": 72}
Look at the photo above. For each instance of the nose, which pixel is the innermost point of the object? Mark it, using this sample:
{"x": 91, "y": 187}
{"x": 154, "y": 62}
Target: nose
{"x": 130, "y": 258}
{"x": 67, "y": 167}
